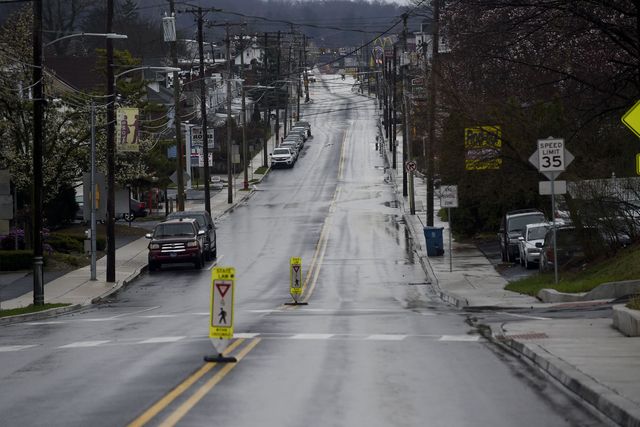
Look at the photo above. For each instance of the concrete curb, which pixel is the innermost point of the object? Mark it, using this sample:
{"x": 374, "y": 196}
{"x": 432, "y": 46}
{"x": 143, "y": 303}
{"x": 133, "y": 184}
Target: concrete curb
{"x": 605, "y": 400}
{"x": 44, "y": 314}
{"x": 626, "y": 320}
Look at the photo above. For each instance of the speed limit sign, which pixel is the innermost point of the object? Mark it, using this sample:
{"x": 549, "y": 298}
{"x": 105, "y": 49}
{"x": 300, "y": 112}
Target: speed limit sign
{"x": 551, "y": 155}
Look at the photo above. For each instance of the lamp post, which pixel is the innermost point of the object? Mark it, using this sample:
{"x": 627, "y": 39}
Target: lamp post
{"x": 38, "y": 141}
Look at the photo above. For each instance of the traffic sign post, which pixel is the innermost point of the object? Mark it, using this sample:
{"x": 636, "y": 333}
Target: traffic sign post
{"x": 631, "y": 119}
{"x": 295, "y": 281}
{"x": 551, "y": 159}
{"x": 221, "y": 312}
{"x": 449, "y": 199}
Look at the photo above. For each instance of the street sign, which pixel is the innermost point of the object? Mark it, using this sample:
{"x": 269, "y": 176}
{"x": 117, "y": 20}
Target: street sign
{"x": 174, "y": 177}
{"x": 221, "y": 315}
{"x": 411, "y": 166}
{"x": 551, "y": 155}
{"x": 449, "y": 196}
{"x": 535, "y": 161}
{"x": 559, "y": 187}
{"x": 295, "y": 277}
{"x": 631, "y": 119}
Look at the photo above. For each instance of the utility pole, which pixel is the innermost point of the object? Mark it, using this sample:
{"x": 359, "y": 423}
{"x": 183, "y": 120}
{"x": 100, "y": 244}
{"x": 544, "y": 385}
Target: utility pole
{"x": 267, "y": 119}
{"x": 245, "y": 159}
{"x": 177, "y": 119}
{"x": 394, "y": 104}
{"x": 406, "y": 114}
{"x": 111, "y": 152}
{"x": 203, "y": 112}
{"x": 38, "y": 136}
{"x": 306, "y": 77}
{"x": 229, "y": 174}
{"x": 277, "y": 93}
{"x": 431, "y": 111}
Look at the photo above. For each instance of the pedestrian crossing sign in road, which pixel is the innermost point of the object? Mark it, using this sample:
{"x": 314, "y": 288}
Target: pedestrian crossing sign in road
{"x": 295, "y": 276}
{"x": 222, "y": 290}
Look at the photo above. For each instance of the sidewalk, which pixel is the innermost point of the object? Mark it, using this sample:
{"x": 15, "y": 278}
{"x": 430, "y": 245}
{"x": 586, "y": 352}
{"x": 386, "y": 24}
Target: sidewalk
{"x": 588, "y": 356}
{"x": 77, "y": 289}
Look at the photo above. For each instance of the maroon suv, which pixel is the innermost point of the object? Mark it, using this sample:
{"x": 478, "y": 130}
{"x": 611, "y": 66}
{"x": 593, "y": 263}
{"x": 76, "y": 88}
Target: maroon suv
{"x": 178, "y": 240}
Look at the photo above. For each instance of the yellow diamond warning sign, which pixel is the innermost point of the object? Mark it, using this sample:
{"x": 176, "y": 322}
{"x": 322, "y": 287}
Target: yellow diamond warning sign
{"x": 631, "y": 119}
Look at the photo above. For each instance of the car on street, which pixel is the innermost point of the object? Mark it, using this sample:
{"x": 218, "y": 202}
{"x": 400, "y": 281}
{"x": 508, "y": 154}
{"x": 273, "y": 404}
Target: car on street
{"x": 305, "y": 125}
{"x": 137, "y": 209}
{"x": 176, "y": 241}
{"x": 206, "y": 224}
{"x": 512, "y": 227}
{"x": 299, "y": 130}
{"x": 293, "y": 146}
{"x": 530, "y": 243}
{"x": 282, "y": 158}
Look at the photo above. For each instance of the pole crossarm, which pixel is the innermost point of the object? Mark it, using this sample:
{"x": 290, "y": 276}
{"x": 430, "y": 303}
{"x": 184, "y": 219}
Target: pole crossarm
{"x": 105, "y": 35}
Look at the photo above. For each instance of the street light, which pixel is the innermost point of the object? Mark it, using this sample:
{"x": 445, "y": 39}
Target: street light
{"x": 38, "y": 137}
{"x": 105, "y": 35}
{"x": 111, "y": 89}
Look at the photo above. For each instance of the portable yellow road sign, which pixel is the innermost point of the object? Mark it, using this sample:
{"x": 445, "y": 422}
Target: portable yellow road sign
{"x": 222, "y": 290}
{"x": 631, "y": 118}
{"x": 295, "y": 276}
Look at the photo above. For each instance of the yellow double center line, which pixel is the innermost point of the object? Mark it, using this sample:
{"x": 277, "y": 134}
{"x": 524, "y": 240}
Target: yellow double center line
{"x": 188, "y": 404}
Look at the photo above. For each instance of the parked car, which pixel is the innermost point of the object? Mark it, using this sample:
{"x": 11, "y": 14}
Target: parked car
{"x": 572, "y": 245}
{"x": 176, "y": 241}
{"x": 205, "y": 224}
{"x": 293, "y": 146}
{"x": 512, "y": 227}
{"x": 299, "y": 130}
{"x": 530, "y": 243}
{"x": 137, "y": 209}
{"x": 305, "y": 125}
{"x": 282, "y": 157}
{"x": 295, "y": 137}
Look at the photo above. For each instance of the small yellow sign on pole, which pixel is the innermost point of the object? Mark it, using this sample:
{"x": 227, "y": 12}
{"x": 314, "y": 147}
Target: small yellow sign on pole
{"x": 222, "y": 290}
{"x": 631, "y": 119}
{"x": 295, "y": 277}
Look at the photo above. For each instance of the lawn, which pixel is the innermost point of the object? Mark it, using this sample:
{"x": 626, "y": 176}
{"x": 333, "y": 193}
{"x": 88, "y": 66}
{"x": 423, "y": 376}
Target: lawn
{"x": 624, "y": 266}
{"x": 29, "y": 309}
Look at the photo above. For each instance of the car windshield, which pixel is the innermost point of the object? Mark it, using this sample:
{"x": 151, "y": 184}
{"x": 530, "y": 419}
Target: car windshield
{"x": 173, "y": 230}
{"x": 518, "y": 223}
{"x": 198, "y": 217}
{"x": 281, "y": 151}
{"x": 537, "y": 233}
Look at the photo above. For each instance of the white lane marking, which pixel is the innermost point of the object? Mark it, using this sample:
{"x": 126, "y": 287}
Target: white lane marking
{"x": 524, "y": 316}
{"x": 159, "y": 316}
{"x": 159, "y": 340}
{"x": 83, "y": 344}
{"x": 467, "y": 338}
{"x": 311, "y": 336}
{"x": 385, "y": 337}
{"x": 8, "y": 348}
{"x": 247, "y": 335}
{"x": 200, "y": 314}
{"x": 135, "y": 312}
{"x": 216, "y": 262}
{"x": 100, "y": 319}
{"x": 262, "y": 311}
{"x": 44, "y": 323}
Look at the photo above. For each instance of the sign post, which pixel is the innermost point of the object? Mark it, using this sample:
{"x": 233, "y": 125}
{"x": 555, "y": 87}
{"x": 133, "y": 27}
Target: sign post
{"x": 551, "y": 159}
{"x": 221, "y": 312}
{"x": 449, "y": 199}
{"x": 295, "y": 281}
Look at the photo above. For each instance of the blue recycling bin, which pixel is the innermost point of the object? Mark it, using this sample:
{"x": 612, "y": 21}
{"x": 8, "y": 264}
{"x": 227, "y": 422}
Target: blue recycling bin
{"x": 433, "y": 236}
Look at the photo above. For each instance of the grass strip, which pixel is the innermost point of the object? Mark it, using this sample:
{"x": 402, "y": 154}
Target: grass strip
{"x": 29, "y": 309}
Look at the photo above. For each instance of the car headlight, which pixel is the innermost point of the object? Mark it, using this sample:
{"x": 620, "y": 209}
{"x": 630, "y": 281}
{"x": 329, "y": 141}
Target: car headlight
{"x": 193, "y": 244}
{"x": 154, "y": 246}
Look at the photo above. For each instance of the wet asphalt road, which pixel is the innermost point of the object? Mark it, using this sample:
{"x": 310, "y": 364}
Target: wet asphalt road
{"x": 372, "y": 348}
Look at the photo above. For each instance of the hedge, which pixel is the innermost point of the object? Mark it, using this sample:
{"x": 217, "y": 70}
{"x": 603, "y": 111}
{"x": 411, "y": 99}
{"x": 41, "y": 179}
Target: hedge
{"x": 16, "y": 260}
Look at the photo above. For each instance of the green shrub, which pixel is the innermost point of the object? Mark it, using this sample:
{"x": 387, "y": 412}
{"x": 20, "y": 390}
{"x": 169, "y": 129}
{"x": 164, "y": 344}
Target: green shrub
{"x": 15, "y": 260}
{"x": 634, "y": 302}
{"x": 66, "y": 243}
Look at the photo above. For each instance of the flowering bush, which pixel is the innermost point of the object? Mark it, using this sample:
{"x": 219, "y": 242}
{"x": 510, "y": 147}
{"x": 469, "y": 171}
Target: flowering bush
{"x": 8, "y": 242}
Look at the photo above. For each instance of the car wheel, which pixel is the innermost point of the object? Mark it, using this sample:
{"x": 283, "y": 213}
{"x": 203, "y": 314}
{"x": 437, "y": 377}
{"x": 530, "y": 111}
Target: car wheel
{"x": 153, "y": 266}
{"x": 128, "y": 216}
{"x": 198, "y": 264}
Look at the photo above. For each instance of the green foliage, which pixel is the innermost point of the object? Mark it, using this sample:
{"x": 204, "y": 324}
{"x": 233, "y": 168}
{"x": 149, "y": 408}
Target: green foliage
{"x": 625, "y": 266}
{"x": 29, "y": 309}
{"x": 634, "y": 303}
{"x": 66, "y": 243}
{"x": 62, "y": 209}
{"x": 15, "y": 260}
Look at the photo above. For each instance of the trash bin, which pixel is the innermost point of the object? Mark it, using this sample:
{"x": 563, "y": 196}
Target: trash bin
{"x": 433, "y": 236}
